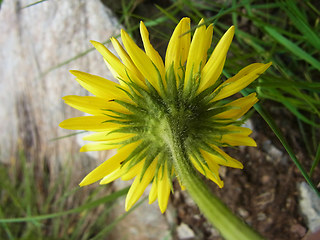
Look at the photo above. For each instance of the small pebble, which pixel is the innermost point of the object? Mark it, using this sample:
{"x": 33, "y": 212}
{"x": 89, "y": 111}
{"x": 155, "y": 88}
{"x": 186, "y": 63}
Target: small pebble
{"x": 265, "y": 179}
{"x": 184, "y": 232}
{"x": 222, "y": 171}
{"x": 298, "y": 229}
{"x": 261, "y": 216}
{"x": 243, "y": 212}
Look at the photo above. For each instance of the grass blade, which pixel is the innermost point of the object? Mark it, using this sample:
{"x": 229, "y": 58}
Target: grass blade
{"x": 292, "y": 47}
{"x": 110, "y": 226}
{"x": 301, "y": 23}
{"x": 86, "y": 206}
{"x": 31, "y": 4}
{"x": 315, "y": 161}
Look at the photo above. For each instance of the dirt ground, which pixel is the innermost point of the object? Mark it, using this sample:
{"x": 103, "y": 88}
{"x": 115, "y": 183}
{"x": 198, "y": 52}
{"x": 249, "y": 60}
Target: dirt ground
{"x": 264, "y": 193}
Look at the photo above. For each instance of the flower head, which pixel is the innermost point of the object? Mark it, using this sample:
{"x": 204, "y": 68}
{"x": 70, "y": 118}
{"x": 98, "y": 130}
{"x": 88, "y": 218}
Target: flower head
{"x": 158, "y": 105}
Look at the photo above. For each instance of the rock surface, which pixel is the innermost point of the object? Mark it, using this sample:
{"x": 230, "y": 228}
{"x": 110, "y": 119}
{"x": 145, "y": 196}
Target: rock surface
{"x": 310, "y": 206}
{"x": 34, "y": 40}
{"x": 184, "y": 232}
{"x": 144, "y": 223}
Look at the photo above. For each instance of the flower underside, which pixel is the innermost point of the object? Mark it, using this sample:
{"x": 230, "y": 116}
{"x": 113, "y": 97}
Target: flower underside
{"x": 154, "y": 101}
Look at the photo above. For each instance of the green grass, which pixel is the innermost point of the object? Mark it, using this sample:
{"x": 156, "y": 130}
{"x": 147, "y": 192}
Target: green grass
{"x": 34, "y": 208}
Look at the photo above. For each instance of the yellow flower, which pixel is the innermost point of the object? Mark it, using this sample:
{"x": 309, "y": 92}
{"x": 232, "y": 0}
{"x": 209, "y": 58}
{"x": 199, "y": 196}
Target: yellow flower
{"x": 156, "y": 100}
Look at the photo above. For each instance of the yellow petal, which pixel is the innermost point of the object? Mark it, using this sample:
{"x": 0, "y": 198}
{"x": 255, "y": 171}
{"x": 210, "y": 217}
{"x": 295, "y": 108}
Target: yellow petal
{"x": 136, "y": 75}
{"x": 112, "y": 176}
{"x": 185, "y": 41}
{"x": 116, "y": 67}
{"x": 150, "y": 51}
{"x": 237, "y": 140}
{"x": 198, "y": 51}
{"x": 141, "y": 60}
{"x": 224, "y": 159}
{"x": 207, "y": 44}
{"x": 89, "y": 123}
{"x": 108, "y": 136}
{"x": 109, "y": 165}
{"x": 212, "y": 174}
{"x": 154, "y": 191}
{"x": 238, "y": 136}
{"x": 99, "y": 86}
{"x": 178, "y": 46}
{"x": 240, "y": 107}
{"x": 121, "y": 172}
{"x": 163, "y": 189}
{"x": 213, "y": 68}
{"x": 133, "y": 171}
{"x": 241, "y": 80}
{"x": 237, "y": 130}
{"x": 98, "y": 146}
{"x": 180, "y": 183}
{"x": 93, "y": 105}
{"x": 139, "y": 185}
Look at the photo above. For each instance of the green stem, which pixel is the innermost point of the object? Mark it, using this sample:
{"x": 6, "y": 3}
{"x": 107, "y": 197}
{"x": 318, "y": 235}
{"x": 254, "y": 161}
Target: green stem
{"x": 230, "y": 226}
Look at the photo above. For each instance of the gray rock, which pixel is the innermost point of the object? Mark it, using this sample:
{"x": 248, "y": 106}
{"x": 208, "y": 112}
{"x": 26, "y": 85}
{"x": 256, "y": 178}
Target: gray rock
{"x": 184, "y": 232}
{"x": 248, "y": 124}
{"x": 144, "y": 223}
{"x": 274, "y": 154}
{"x": 309, "y": 204}
{"x": 34, "y": 40}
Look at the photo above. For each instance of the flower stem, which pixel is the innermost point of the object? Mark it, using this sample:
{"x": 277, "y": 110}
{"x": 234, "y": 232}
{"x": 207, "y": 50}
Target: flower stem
{"x": 230, "y": 226}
